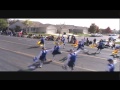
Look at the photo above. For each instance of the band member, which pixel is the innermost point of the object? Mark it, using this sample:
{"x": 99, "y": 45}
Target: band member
{"x": 100, "y": 46}
{"x": 42, "y": 41}
{"x": 56, "y": 50}
{"x": 71, "y": 59}
{"x": 113, "y": 45}
{"x": 42, "y": 56}
{"x": 80, "y": 45}
{"x": 110, "y": 65}
{"x": 63, "y": 41}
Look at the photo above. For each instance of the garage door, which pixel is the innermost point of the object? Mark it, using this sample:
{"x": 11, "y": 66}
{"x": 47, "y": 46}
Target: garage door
{"x": 51, "y": 31}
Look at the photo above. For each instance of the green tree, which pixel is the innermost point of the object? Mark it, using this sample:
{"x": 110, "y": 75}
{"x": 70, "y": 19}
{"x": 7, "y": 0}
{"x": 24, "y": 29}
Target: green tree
{"x": 3, "y": 24}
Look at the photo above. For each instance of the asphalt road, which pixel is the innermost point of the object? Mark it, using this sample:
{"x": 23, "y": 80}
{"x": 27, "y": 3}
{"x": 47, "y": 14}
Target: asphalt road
{"x": 16, "y": 54}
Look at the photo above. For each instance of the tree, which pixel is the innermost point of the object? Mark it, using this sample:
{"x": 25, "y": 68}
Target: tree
{"x": 3, "y": 24}
{"x": 93, "y": 28}
{"x": 27, "y": 23}
{"x": 17, "y": 29}
{"x": 97, "y": 30}
{"x": 108, "y": 30}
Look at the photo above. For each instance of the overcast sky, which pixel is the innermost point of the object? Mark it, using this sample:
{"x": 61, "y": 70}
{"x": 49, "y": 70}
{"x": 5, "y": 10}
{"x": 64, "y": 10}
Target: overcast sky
{"x": 102, "y": 23}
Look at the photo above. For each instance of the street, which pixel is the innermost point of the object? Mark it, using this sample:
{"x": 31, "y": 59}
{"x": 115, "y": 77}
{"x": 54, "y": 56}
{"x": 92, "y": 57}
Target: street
{"x": 17, "y": 53}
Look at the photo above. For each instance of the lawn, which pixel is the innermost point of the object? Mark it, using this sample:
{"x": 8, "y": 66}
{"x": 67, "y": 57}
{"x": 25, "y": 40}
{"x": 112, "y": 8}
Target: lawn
{"x": 37, "y": 34}
{"x": 85, "y": 35}
{"x": 117, "y": 42}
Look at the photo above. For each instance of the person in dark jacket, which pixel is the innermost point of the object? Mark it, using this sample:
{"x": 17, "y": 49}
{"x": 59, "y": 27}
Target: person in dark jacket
{"x": 68, "y": 38}
{"x": 87, "y": 42}
{"x": 94, "y": 41}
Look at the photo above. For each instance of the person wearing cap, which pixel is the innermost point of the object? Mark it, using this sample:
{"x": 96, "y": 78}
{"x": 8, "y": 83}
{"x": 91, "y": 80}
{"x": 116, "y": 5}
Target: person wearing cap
{"x": 56, "y": 50}
{"x": 111, "y": 66}
{"x": 71, "y": 59}
{"x": 42, "y": 55}
{"x": 63, "y": 41}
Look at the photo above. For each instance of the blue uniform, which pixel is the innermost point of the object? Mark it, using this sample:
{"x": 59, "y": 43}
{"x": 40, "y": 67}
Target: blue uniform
{"x": 71, "y": 63}
{"x": 43, "y": 56}
{"x": 42, "y": 40}
{"x": 100, "y": 46}
{"x": 63, "y": 40}
{"x": 56, "y": 50}
{"x": 111, "y": 67}
{"x": 80, "y": 46}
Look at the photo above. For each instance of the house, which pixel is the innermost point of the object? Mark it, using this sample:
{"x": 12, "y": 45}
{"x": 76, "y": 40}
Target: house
{"x": 47, "y": 28}
{"x": 77, "y": 29}
{"x": 64, "y": 28}
{"x": 17, "y": 23}
{"x": 42, "y": 28}
{"x": 34, "y": 27}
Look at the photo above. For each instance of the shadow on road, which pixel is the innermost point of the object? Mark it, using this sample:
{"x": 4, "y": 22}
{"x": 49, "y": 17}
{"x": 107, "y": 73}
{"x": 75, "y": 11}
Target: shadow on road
{"x": 22, "y": 70}
{"x": 33, "y": 47}
{"x": 47, "y": 62}
{"x": 92, "y": 53}
{"x": 63, "y": 59}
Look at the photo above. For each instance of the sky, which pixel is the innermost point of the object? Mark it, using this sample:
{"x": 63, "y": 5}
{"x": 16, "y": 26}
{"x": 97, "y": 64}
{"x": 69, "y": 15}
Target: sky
{"x": 102, "y": 23}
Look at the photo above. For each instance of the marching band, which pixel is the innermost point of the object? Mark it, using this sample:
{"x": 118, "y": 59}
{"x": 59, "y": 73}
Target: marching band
{"x": 71, "y": 58}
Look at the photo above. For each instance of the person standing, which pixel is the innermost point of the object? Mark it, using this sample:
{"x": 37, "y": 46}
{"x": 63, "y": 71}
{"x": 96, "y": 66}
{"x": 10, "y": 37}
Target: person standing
{"x": 94, "y": 41}
{"x": 63, "y": 41}
{"x": 68, "y": 38}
